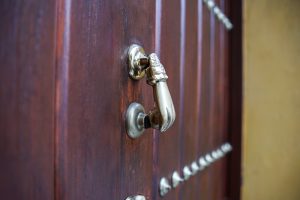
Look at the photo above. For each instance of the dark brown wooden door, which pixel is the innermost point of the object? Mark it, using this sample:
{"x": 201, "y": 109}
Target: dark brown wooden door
{"x": 64, "y": 91}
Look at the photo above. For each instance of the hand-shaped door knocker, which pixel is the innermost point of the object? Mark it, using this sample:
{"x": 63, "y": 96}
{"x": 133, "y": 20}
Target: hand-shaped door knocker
{"x": 162, "y": 116}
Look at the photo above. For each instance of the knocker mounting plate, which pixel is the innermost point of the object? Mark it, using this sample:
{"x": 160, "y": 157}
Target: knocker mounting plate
{"x": 137, "y": 62}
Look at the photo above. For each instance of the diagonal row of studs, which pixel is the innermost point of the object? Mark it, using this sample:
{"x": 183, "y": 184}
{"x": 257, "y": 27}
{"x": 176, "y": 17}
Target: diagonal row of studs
{"x": 189, "y": 170}
{"x": 218, "y": 13}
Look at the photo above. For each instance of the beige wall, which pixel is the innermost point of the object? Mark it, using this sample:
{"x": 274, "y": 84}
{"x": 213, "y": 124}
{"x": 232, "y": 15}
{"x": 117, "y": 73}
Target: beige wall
{"x": 271, "y": 138}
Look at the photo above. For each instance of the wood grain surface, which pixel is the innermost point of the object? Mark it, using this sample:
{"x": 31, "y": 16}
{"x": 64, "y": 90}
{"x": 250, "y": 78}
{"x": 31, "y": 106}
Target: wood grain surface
{"x": 169, "y": 143}
{"x": 95, "y": 157}
{"x": 64, "y": 92}
{"x": 27, "y": 94}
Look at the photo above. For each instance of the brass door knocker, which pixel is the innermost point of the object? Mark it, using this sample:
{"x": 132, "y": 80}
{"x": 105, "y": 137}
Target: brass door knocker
{"x": 162, "y": 116}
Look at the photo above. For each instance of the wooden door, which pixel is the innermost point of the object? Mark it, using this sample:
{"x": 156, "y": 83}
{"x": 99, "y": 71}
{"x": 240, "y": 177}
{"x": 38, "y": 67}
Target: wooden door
{"x": 65, "y": 89}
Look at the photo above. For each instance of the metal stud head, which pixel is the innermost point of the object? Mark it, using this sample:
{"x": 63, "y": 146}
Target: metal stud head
{"x": 164, "y": 186}
{"x": 209, "y": 159}
{"x": 210, "y": 4}
{"x": 203, "y": 163}
{"x": 217, "y": 10}
{"x": 221, "y": 16}
{"x": 220, "y": 153}
{"x": 215, "y": 155}
{"x": 186, "y": 173}
{"x": 226, "y": 147}
{"x": 223, "y": 148}
{"x": 195, "y": 167}
{"x": 227, "y": 23}
{"x": 176, "y": 179}
{"x": 136, "y": 197}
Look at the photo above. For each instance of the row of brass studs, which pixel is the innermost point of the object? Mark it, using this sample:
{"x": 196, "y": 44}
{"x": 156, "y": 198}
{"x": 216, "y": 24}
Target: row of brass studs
{"x": 192, "y": 169}
{"x": 219, "y": 14}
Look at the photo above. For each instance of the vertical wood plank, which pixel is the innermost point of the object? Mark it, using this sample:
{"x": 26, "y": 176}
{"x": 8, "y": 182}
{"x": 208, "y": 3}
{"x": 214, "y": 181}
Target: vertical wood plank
{"x": 217, "y": 96}
{"x": 169, "y": 142}
{"x": 27, "y": 82}
{"x": 190, "y": 115}
{"x": 205, "y": 101}
{"x": 217, "y": 90}
{"x": 211, "y": 104}
{"x": 222, "y": 101}
{"x": 200, "y": 110}
{"x": 137, "y": 155}
{"x": 95, "y": 157}
{"x": 234, "y": 11}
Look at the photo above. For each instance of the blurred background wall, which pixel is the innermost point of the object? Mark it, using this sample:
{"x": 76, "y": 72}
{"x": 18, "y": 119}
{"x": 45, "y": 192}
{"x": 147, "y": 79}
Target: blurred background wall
{"x": 271, "y": 119}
